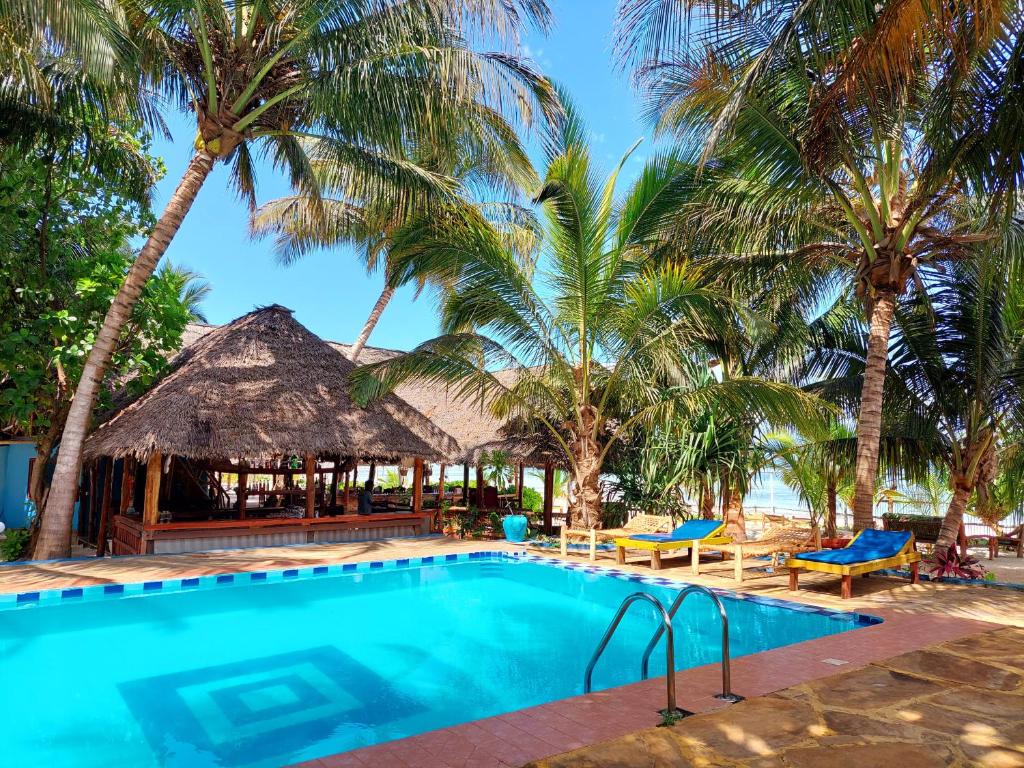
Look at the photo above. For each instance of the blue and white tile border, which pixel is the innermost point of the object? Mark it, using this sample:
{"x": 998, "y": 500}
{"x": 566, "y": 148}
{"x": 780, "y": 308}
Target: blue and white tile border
{"x": 167, "y": 586}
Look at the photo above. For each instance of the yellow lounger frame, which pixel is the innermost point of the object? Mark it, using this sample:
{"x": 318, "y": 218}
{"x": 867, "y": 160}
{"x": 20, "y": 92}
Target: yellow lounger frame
{"x": 657, "y": 547}
{"x": 906, "y": 556}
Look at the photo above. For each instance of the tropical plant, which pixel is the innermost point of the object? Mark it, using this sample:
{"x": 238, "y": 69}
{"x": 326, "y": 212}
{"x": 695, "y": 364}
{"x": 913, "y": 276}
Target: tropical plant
{"x": 498, "y": 469}
{"x": 947, "y": 561}
{"x": 15, "y": 544}
{"x": 837, "y": 141}
{"x": 303, "y": 82}
{"x": 959, "y": 358}
{"x": 932, "y": 493}
{"x": 819, "y": 468}
{"x": 65, "y": 221}
{"x": 596, "y": 340}
{"x": 650, "y": 469}
{"x": 494, "y": 161}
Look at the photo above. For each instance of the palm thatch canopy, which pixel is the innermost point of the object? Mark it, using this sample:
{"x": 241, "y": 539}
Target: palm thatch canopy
{"x": 471, "y": 423}
{"x": 261, "y": 386}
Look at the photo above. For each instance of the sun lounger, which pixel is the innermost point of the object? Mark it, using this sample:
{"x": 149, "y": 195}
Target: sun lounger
{"x": 690, "y": 535}
{"x": 870, "y": 550}
{"x": 786, "y": 539}
{"x": 636, "y": 524}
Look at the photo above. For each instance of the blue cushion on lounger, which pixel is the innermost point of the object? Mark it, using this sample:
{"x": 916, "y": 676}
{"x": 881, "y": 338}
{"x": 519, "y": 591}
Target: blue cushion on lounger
{"x": 870, "y": 545}
{"x": 688, "y": 531}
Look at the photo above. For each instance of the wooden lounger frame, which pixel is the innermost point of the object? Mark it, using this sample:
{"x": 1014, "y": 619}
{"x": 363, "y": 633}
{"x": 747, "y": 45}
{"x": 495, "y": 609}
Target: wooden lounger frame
{"x": 906, "y": 556}
{"x": 657, "y": 547}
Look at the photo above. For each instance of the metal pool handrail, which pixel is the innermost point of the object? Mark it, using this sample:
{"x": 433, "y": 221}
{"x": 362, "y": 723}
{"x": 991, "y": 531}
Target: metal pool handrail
{"x": 666, "y": 627}
{"x": 726, "y": 694}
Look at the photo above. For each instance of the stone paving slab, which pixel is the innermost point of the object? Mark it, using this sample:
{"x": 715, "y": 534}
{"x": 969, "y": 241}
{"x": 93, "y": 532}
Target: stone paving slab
{"x": 958, "y": 704}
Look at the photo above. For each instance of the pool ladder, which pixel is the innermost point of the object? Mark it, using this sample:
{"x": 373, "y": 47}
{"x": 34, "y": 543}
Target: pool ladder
{"x": 665, "y": 628}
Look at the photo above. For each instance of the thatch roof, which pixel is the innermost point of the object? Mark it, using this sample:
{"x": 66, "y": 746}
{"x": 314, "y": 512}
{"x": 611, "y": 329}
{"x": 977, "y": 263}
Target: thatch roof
{"x": 465, "y": 418}
{"x": 259, "y": 386}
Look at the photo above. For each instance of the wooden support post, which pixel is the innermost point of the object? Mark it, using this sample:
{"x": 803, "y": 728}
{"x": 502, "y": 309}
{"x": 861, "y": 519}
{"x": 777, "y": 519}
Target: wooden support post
{"x": 655, "y": 559}
{"x": 695, "y": 558}
{"x": 417, "y": 486}
{"x": 151, "y": 499}
{"x": 127, "y": 484}
{"x": 310, "y": 462}
{"x": 373, "y": 474}
{"x": 243, "y": 493}
{"x": 345, "y": 499}
{"x": 465, "y": 484}
{"x": 440, "y": 485}
{"x": 108, "y": 483}
{"x": 519, "y": 486}
{"x": 85, "y": 517}
{"x": 737, "y": 554}
{"x": 847, "y": 589}
{"x": 915, "y": 576}
{"x": 794, "y": 579}
{"x": 549, "y": 500}
{"x": 620, "y": 554}
{"x": 479, "y": 486}
{"x": 334, "y": 483}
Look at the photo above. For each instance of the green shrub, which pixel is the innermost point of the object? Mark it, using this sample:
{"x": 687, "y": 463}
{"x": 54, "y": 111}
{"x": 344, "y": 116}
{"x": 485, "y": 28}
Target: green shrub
{"x": 14, "y": 544}
{"x": 532, "y": 500}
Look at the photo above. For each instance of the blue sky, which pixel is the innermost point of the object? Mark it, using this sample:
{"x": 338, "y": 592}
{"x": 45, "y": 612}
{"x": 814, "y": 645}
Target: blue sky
{"x": 330, "y": 291}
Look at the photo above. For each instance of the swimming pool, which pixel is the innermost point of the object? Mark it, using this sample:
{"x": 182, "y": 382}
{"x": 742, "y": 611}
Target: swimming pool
{"x": 253, "y": 670}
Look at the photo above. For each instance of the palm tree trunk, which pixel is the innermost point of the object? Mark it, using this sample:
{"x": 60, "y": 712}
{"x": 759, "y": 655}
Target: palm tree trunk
{"x": 735, "y": 523}
{"x": 948, "y": 534}
{"x": 830, "y": 517}
{"x": 371, "y": 323}
{"x": 707, "y": 502}
{"x": 869, "y": 424}
{"x": 55, "y": 533}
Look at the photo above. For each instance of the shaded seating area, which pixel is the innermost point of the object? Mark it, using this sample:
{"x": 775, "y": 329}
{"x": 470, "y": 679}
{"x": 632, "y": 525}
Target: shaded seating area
{"x": 869, "y": 551}
{"x": 246, "y": 441}
{"x": 691, "y": 535}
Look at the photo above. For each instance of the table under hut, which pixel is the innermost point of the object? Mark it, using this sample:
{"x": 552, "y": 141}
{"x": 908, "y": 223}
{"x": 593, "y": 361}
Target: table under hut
{"x": 251, "y": 439}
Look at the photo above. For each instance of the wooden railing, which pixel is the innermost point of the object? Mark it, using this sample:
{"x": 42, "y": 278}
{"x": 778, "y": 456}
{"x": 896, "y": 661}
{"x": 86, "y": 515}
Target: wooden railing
{"x": 127, "y": 536}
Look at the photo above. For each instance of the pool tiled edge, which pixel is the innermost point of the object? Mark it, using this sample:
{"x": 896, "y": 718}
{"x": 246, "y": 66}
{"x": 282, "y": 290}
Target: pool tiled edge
{"x": 238, "y": 578}
{"x": 15, "y": 600}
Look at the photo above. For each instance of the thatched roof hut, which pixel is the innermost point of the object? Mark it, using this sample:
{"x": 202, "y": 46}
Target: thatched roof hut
{"x": 468, "y": 420}
{"x": 265, "y": 385}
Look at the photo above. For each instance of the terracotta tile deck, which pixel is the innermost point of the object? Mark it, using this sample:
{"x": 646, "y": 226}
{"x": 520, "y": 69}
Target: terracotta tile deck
{"x": 915, "y": 616}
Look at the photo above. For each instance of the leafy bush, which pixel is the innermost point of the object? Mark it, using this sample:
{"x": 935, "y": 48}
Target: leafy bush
{"x": 14, "y": 544}
{"x": 532, "y": 500}
{"x": 949, "y": 563}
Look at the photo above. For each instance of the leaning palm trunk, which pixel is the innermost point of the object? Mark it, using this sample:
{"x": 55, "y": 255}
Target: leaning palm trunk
{"x": 869, "y": 423}
{"x": 371, "y": 322}
{"x": 55, "y": 531}
{"x": 735, "y": 523}
{"x": 830, "y": 515}
{"x": 948, "y": 534}
{"x": 707, "y": 501}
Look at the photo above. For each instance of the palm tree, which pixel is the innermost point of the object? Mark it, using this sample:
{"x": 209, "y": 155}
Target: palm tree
{"x": 837, "y": 139}
{"x": 819, "y": 468}
{"x": 597, "y": 335}
{"x": 486, "y": 155}
{"x": 959, "y": 356}
{"x": 340, "y": 82}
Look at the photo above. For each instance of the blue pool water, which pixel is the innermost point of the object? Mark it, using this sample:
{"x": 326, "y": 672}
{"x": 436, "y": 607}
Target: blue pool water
{"x": 269, "y": 669}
